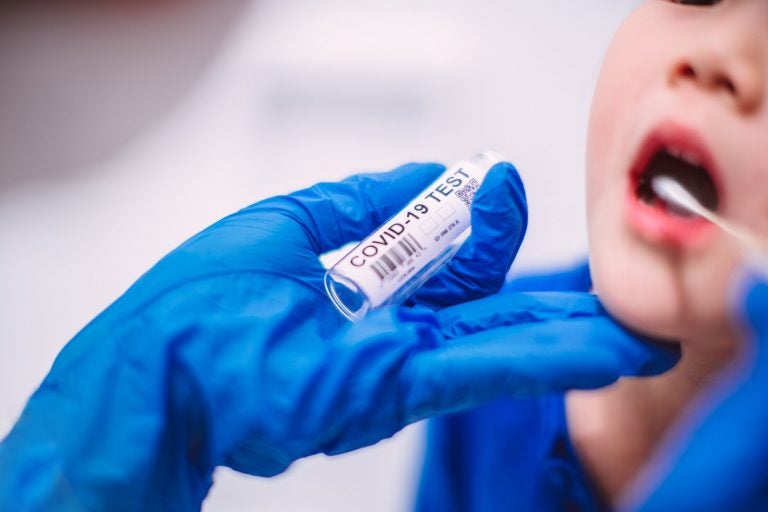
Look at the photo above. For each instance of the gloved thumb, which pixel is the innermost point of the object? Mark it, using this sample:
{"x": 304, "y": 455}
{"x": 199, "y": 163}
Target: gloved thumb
{"x": 751, "y": 302}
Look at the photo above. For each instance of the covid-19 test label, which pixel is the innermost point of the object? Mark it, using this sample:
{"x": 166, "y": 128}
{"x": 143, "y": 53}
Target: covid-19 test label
{"x": 417, "y": 238}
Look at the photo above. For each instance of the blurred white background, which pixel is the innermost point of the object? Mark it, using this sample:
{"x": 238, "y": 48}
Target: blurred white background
{"x": 125, "y": 131}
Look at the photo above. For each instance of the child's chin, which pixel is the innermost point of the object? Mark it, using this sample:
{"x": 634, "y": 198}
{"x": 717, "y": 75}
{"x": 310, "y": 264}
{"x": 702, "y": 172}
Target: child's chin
{"x": 661, "y": 326}
{"x": 650, "y": 293}
{"x": 663, "y": 320}
{"x": 650, "y": 314}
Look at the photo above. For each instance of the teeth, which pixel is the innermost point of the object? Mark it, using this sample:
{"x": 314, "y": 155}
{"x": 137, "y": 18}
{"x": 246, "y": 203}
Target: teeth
{"x": 677, "y": 153}
{"x": 691, "y": 159}
{"x": 686, "y": 157}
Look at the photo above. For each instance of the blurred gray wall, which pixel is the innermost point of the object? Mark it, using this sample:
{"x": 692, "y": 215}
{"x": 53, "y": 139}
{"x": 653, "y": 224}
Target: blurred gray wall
{"x": 264, "y": 99}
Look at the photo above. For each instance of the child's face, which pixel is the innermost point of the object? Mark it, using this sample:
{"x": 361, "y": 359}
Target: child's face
{"x": 677, "y": 80}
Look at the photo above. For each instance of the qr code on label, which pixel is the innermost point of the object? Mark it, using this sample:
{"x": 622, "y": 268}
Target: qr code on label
{"x": 467, "y": 192}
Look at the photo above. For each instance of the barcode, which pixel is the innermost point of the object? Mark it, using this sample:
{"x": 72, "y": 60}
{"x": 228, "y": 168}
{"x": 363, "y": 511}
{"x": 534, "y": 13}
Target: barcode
{"x": 397, "y": 256}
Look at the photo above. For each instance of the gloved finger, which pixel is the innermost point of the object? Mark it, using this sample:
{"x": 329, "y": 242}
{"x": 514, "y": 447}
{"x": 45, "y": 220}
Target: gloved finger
{"x": 333, "y": 214}
{"x": 508, "y": 309}
{"x": 751, "y": 305}
{"x": 479, "y": 267}
{"x": 541, "y": 357}
{"x": 575, "y": 278}
{"x": 723, "y": 435}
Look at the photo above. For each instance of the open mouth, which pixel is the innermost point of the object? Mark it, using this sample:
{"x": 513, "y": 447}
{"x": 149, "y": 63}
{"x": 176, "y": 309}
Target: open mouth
{"x": 674, "y": 152}
{"x": 685, "y": 169}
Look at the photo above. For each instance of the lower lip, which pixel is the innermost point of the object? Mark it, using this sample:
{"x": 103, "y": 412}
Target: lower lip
{"x": 654, "y": 223}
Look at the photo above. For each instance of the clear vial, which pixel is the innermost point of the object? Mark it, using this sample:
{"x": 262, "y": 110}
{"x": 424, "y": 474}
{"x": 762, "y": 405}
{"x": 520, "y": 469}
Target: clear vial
{"x": 399, "y": 256}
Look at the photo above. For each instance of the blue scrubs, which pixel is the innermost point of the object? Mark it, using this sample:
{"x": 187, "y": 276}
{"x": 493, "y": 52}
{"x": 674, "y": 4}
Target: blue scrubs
{"x": 512, "y": 455}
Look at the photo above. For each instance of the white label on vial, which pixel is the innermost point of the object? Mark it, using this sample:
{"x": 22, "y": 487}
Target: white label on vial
{"x": 422, "y": 231}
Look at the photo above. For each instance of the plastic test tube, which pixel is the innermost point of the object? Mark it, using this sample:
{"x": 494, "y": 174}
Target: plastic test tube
{"x": 399, "y": 256}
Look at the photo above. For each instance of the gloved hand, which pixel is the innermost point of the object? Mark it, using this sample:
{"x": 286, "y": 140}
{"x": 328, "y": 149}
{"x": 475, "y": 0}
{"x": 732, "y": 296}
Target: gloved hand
{"x": 718, "y": 458}
{"x": 228, "y": 353}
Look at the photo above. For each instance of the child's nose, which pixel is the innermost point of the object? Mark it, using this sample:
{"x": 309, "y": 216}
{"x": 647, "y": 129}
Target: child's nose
{"x": 728, "y": 58}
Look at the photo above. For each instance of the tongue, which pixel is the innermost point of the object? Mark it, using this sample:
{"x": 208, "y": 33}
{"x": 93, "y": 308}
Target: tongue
{"x": 694, "y": 178}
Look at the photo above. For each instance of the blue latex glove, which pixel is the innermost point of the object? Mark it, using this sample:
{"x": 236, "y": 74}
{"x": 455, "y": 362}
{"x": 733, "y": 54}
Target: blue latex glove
{"x": 228, "y": 353}
{"x": 718, "y": 458}
{"x": 475, "y": 461}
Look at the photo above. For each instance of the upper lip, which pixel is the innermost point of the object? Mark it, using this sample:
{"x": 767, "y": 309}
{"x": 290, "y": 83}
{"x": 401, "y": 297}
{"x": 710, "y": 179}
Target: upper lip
{"x": 682, "y": 142}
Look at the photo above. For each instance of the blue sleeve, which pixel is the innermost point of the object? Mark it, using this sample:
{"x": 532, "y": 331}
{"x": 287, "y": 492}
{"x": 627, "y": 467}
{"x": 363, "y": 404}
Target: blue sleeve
{"x": 510, "y": 455}
{"x": 575, "y": 278}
